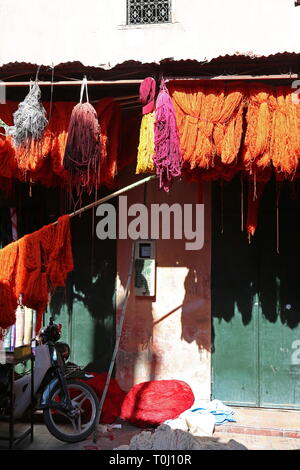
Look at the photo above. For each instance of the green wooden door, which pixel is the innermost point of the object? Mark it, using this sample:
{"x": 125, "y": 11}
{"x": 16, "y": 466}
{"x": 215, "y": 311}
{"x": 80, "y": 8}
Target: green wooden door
{"x": 256, "y": 303}
{"x": 279, "y": 295}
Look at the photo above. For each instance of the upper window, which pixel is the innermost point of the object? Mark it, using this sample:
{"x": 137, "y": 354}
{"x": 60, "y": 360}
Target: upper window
{"x": 148, "y": 11}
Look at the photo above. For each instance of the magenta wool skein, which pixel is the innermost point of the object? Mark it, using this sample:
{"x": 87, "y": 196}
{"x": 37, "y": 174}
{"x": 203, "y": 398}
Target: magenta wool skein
{"x": 167, "y": 157}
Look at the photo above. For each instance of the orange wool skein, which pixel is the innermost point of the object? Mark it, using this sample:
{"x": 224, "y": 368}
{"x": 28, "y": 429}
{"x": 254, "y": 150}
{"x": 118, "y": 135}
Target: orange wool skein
{"x": 204, "y": 151}
{"x": 114, "y": 132}
{"x": 8, "y": 164}
{"x": 258, "y": 121}
{"x": 60, "y": 260}
{"x": 279, "y": 133}
{"x": 210, "y": 122}
{"x": 231, "y": 142}
{"x": 109, "y": 115}
{"x": 8, "y": 299}
{"x": 45, "y": 258}
{"x": 44, "y": 162}
{"x": 255, "y": 192}
{"x": 188, "y": 106}
{"x": 229, "y": 124}
{"x": 59, "y": 122}
{"x": 104, "y": 111}
{"x": 33, "y": 267}
{"x": 293, "y": 125}
{"x": 31, "y": 278}
{"x": 232, "y": 102}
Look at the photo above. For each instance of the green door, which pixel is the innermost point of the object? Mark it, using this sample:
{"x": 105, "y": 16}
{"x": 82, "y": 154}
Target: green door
{"x": 255, "y": 302}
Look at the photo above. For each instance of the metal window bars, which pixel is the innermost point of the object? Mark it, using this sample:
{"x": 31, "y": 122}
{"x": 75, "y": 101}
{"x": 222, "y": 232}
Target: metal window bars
{"x": 148, "y": 11}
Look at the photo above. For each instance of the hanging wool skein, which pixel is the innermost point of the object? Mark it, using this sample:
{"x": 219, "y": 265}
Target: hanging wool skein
{"x": 167, "y": 157}
{"x": 255, "y": 192}
{"x": 83, "y": 148}
{"x": 29, "y": 121}
{"x": 146, "y": 147}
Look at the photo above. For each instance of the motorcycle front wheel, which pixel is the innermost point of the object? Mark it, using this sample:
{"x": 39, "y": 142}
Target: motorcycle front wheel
{"x": 75, "y": 428}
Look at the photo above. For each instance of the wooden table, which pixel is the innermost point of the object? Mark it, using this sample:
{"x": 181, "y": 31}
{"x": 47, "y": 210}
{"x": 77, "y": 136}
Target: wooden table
{"x": 19, "y": 355}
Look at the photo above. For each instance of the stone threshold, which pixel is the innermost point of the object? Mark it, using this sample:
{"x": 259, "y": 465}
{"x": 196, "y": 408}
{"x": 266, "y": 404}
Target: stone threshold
{"x": 258, "y": 431}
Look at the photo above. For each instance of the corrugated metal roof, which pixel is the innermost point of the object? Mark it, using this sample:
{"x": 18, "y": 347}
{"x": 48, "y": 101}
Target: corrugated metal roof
{"x": 281, "y": 63}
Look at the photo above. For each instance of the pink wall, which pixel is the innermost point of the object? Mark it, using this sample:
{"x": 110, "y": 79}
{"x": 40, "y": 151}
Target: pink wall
{"x": 168, "y": 337}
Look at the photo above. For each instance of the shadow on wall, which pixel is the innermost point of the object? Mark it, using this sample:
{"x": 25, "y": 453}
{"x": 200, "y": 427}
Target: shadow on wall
{"x": 194, "y": 317}
{"x": 243, "y": 273}
{"x": 91, "y": 286}
{"x": 138, "y": 357}
{"x": 135, "y": 354}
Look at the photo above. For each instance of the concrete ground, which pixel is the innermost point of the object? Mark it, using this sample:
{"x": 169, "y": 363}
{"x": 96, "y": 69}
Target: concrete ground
{"x": 43, "y": 440}
{"x": 248, "y": 433}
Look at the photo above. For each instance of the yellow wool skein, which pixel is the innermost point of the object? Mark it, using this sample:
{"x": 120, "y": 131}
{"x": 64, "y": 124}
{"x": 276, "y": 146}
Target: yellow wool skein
{"x": 146, "y": 147}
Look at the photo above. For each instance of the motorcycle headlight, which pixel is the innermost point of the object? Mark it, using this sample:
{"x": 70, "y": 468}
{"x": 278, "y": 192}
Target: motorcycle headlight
{"x": 63, "y": 349}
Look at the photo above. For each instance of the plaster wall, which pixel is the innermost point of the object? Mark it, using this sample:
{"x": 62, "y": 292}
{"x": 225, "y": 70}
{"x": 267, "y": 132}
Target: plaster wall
{"x": 168, "y": 337}
{"x": 95, "y": 31}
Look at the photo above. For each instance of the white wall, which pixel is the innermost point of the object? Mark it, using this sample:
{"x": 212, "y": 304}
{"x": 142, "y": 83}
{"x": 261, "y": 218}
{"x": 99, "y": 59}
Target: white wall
{"x": 95, "y": 32}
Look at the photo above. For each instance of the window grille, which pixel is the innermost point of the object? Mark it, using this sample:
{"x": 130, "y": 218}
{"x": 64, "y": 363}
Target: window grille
{"x": 148, "y": 11}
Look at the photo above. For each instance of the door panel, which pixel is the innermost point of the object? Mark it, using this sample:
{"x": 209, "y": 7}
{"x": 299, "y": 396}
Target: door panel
{"x": 234, "y": 303}
{"x": 279, "y": 275}
{"x": 235, "y": 371}
{"x": 280, "y": 365}
{"x": 256, "y": 348}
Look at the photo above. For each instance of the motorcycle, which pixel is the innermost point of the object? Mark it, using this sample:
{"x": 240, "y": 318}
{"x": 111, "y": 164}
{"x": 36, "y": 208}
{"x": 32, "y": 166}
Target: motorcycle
{"x": 69, "y": 405}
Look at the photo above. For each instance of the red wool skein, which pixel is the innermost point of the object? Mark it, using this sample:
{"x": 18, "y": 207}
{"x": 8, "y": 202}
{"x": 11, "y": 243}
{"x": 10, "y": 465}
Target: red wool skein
{"x": 83, "y": 148}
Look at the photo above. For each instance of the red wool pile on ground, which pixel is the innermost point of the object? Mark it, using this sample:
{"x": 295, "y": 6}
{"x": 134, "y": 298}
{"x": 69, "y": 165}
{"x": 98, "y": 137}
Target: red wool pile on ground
{"x": 114, "y": 398}
{"x": 152, "y": 403}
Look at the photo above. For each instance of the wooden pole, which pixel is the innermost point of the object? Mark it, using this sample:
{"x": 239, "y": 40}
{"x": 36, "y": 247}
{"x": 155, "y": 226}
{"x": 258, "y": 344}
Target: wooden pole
{"x": 73, "y": 83}
{"x": 286, "y": 76}
{"x": 110, "y": 196}
{"x": 118, "y": 338}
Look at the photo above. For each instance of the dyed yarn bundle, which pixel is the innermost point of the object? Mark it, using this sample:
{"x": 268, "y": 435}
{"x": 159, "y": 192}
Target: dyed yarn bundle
{"x": 26, "y": 137}
{"x": 151, "y": 403}
{"x": 45, "y": 162}
{"x": 225, "y": 128}
{"x": 8, "y": 298}
{"x": 259, "y": 121}
{"x": 33, "y": 267}
{"x": 167, "y": 157}
{"x": 83, "y": 147}
{"x": 255, "y": 193}
{"x": 109, "y": 115}
{"x": 29, "y": 120}
{"x": 209, "y": 119}
{"x": 285, "y": 131}
{"x": 146, "y": 147}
